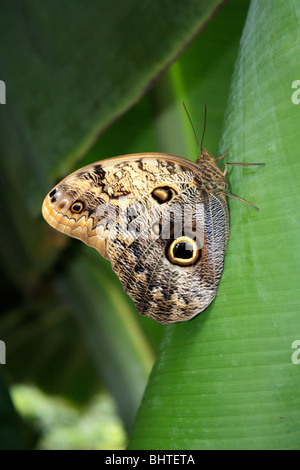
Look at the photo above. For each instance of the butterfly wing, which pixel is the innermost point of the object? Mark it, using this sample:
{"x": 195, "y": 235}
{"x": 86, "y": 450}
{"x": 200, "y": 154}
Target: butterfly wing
{"x": 164, "y": 236}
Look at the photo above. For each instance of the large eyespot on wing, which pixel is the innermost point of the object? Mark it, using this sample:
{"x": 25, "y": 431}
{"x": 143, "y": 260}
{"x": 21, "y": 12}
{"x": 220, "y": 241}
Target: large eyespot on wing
{"x": 183, "y": 251}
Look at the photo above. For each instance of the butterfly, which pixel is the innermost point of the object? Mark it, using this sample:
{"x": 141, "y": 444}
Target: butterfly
{"x": 161, "y": 220}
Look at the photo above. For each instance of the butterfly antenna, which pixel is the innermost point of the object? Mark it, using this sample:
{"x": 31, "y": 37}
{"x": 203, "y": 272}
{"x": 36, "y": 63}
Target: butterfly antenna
{"x": 191, "y": 122}
{"x": 204, "y": 126}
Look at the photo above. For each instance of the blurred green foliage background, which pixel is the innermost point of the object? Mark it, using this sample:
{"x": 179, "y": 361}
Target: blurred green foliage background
{"x": 85, "y": 82}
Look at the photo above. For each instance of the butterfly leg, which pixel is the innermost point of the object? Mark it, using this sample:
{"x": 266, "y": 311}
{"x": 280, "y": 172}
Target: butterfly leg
{"x": 222, "y": 156}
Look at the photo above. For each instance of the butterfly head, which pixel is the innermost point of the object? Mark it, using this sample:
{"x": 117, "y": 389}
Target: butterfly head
{"x": 205, "y": 156}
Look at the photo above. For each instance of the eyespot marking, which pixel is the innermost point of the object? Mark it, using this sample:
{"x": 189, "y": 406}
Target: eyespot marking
{"x": 163, "y": 194}
{"x": 53, "y": 192}
{"x": 77, "y": 207}
{"x": 183, "y": 251}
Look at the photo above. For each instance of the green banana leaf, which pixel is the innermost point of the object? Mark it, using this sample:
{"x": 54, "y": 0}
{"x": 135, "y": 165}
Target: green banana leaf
{"x": 226, "y": 380}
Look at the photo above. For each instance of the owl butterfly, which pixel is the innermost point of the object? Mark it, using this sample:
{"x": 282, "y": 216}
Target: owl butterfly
{"x": 161, "y": 220}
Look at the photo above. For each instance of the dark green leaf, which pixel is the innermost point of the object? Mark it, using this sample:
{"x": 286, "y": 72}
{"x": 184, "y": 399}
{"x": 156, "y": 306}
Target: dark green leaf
{"x": 10, "y": 438}
{"x": 72, "y": 68}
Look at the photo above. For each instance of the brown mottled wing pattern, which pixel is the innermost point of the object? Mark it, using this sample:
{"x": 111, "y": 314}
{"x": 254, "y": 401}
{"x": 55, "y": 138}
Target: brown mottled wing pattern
{"x": 160, "y": 289}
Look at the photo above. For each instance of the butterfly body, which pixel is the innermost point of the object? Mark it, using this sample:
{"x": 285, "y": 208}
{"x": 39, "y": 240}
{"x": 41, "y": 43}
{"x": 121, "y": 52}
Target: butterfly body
{"x": 161, "y": 220}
